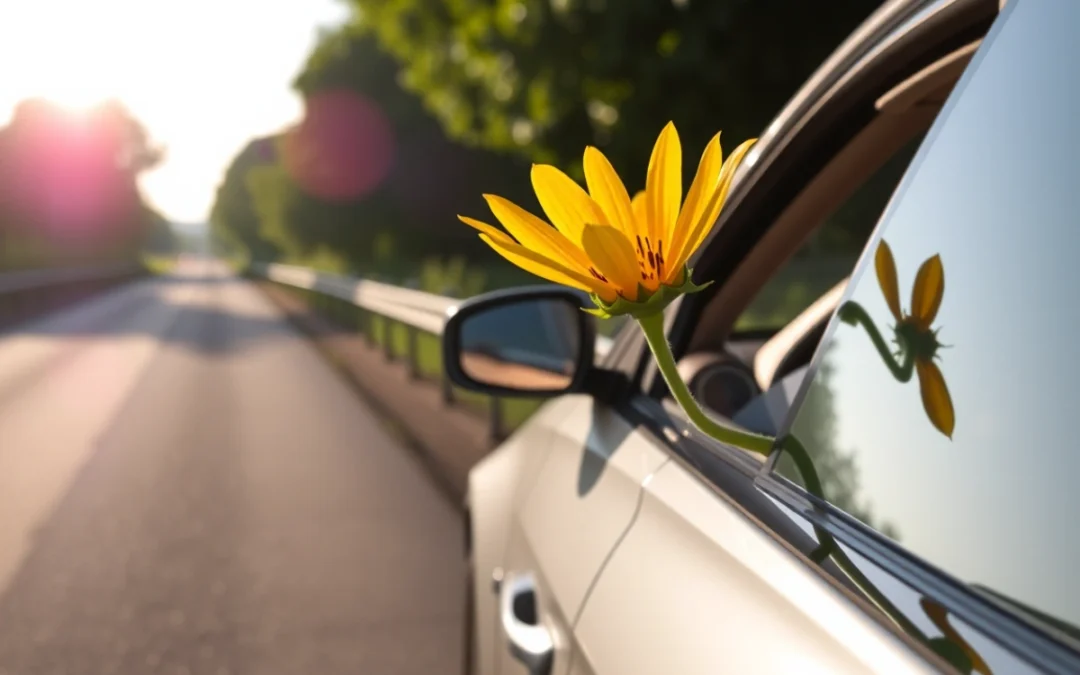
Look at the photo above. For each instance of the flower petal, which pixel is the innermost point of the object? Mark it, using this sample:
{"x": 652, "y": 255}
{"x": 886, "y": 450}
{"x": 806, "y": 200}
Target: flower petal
{"x": 608, "y": 191}
{"x": 536, "y": 235}
{"x": 493, "y": 232}
{"x": 663, "y": 187}
{"x": 614, "y": 257}
{"x": 640, "y": 206}
{"x": 711, "y": 211}
{"x": 566, "y": 204}
{"x": 928, "y": 290}
{"x": 885, "y": 267}
{"x": 935, "y": 396}
{"x": 697, "y": 199}
{"x": 551, "y": 270}
{"x": 940, "y": 618}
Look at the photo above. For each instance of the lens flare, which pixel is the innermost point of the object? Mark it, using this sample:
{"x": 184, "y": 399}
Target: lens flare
{"x": 343, "y": 149}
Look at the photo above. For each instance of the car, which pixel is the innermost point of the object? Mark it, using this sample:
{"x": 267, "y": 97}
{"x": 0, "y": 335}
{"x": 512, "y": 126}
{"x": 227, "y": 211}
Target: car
{"x": 918, "y": 510}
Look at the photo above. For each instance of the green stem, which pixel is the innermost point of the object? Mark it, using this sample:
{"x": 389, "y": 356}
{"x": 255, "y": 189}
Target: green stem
{"x": 653, "y": 327}
{"x": 828, "y": 546}
{"x": 853, "y": 313}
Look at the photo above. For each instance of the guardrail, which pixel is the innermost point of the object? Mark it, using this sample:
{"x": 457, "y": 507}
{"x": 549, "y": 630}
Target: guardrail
{"x": 417, "y": 311}
{"x": 26, "y": 292}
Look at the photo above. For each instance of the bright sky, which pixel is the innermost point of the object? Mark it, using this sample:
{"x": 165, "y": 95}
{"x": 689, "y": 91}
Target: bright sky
{"x": 204, "y": 76}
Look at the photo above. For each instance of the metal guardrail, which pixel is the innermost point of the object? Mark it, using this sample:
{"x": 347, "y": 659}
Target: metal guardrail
{"x": 418, "y": 311}
{"x": 28, "y": 280}
{"x": 38, "y": 288}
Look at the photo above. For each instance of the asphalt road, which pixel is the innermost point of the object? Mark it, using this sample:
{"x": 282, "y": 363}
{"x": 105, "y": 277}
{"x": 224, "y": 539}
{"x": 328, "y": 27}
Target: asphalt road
{"x": 187, "y": 487}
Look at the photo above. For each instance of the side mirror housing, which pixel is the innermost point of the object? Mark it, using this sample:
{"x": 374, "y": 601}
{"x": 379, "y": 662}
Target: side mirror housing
{"x": 528, "y": 342}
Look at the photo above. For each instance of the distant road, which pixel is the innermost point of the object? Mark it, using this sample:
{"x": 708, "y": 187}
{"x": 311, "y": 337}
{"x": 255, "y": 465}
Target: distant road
{"x": 186, "y": 487}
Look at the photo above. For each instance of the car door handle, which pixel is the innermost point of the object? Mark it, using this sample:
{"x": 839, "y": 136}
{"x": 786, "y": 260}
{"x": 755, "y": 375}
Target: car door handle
{"x": 530, "y": 642}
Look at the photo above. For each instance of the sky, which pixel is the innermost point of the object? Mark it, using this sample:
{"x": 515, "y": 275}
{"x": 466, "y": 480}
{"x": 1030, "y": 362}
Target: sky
{"x": 203, "y": 76}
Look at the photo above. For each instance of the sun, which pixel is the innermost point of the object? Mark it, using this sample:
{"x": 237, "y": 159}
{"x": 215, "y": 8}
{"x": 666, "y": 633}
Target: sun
{"x": 76, "y": 98}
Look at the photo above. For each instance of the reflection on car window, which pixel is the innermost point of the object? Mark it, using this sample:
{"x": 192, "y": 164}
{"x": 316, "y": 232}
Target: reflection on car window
{"x": 830, "y": 253}
{"x": 941, "y": 407}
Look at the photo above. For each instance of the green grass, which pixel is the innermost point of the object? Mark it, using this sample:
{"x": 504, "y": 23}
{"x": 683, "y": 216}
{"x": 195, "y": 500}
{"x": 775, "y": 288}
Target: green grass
{"x": 158, "y": 264}
{"x": 429, "y": 364}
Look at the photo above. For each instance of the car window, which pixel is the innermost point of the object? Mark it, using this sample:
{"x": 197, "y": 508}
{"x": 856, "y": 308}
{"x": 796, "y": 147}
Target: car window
{"x": 967, "y": 456}
{"x": 831, "y": 251}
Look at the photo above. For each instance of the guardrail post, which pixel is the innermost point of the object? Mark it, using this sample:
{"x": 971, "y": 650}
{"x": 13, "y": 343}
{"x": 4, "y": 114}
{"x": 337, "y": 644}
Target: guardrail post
{"x": 412, "y": 352}
{"x": 447, "y": 389}
{"x": 496, "y": 418}
{"x": 367, "y": 327}
{"x": 388, "y": 339}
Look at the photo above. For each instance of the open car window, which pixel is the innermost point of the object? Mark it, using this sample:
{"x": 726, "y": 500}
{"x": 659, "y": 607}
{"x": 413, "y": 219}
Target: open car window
{"x": 830, "y": 253}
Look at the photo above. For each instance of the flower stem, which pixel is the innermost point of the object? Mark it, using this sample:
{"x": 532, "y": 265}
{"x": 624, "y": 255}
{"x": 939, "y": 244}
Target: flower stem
{"x": 653, "y": 327}
{"x": 853, "y": 313}
{"x": 828, "y": 547}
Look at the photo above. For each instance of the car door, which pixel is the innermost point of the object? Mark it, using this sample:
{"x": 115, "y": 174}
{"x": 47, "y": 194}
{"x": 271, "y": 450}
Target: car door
{"x": 583, "y": 499}
{"x": 548, "y": 506}
{"x": 586, "y": 492}
{"x": 901, "y": 524}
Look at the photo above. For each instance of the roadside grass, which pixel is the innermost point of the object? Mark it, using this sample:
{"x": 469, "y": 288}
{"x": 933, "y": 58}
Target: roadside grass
{"x": 158, "y": 264}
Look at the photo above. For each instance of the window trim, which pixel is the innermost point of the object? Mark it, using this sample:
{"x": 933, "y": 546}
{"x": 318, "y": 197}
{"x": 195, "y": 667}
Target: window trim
{"x": 1025, "y": 640}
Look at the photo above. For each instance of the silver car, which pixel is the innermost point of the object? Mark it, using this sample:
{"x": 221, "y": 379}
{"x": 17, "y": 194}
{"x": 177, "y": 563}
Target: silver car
{"x": 919, "y": 510}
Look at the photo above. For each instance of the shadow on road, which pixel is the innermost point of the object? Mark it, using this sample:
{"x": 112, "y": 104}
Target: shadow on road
{"x": 217, "y": 316}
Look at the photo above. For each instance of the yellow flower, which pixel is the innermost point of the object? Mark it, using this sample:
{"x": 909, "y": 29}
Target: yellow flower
{"x": 914, "y": 332}
{"x": 624, "y": 252}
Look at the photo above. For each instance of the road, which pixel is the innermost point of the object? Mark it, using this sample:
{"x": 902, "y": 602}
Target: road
{"x": 187, "y": 487}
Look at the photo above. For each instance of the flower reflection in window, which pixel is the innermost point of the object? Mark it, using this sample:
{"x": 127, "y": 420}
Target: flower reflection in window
{"x": 916, "y": 339}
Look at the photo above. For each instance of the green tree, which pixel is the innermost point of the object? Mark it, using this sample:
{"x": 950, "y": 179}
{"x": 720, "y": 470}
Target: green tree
{"x": 547, "y": 77}
{"x": 234, "y": 222}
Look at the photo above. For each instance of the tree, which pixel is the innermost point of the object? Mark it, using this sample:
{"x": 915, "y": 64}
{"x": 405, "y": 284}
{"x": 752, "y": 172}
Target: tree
{"x": 68, "y": 184}
{"x": 547, "y": 77}
{"x": 233, "y": 219}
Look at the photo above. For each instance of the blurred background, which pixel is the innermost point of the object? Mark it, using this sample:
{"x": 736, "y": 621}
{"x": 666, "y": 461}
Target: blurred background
{"x": 189, "y": 482}
{"x": 345, "y": 135}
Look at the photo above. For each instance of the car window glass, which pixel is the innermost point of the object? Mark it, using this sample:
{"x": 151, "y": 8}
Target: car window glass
{"x": 830, "y": 253}
{"x": 966, "y": 456}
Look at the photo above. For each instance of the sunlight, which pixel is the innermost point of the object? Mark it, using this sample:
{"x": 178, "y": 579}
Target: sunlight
{"x": 198, "y": 75}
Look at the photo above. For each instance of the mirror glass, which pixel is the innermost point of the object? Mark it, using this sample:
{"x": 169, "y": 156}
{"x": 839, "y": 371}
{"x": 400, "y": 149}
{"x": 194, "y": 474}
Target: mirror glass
{"x": 532, "y": 345}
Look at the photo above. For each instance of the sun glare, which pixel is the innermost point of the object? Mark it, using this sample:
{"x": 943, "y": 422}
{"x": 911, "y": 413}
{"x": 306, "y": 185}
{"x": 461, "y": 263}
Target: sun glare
{"x": 203, "y": 76}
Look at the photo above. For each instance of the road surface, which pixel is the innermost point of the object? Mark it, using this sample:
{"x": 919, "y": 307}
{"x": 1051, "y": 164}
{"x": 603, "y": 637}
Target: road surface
{"x": 186, "y": 487}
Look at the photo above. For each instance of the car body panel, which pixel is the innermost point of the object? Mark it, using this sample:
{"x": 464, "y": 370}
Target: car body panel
{"x": 497, "y": 484}
{"x": 581, "y": 502}
{"x": 697, "y": 587}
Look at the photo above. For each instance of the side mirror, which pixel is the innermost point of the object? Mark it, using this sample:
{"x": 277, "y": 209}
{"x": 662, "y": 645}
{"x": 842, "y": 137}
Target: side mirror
{"x": 533, "y": 341}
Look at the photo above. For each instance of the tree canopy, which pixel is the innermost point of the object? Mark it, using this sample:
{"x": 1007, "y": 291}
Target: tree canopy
{"x": 415, "y": 108}
{"x": 547, "y": 77}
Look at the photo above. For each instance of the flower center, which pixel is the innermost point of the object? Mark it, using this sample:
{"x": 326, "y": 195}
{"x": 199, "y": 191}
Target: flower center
{"x": 923, "y": 343}
{"x": 651, "y": 262}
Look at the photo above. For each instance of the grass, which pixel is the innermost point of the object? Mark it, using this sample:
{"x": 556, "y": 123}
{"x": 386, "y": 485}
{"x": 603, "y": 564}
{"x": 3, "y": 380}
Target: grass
{"x": 158, "y": 264}
{"x": 429, "y": 363}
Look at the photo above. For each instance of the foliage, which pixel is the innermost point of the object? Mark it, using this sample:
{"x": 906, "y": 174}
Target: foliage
{"x": 547, "y": 77}
{"x": 460, "y": 96}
